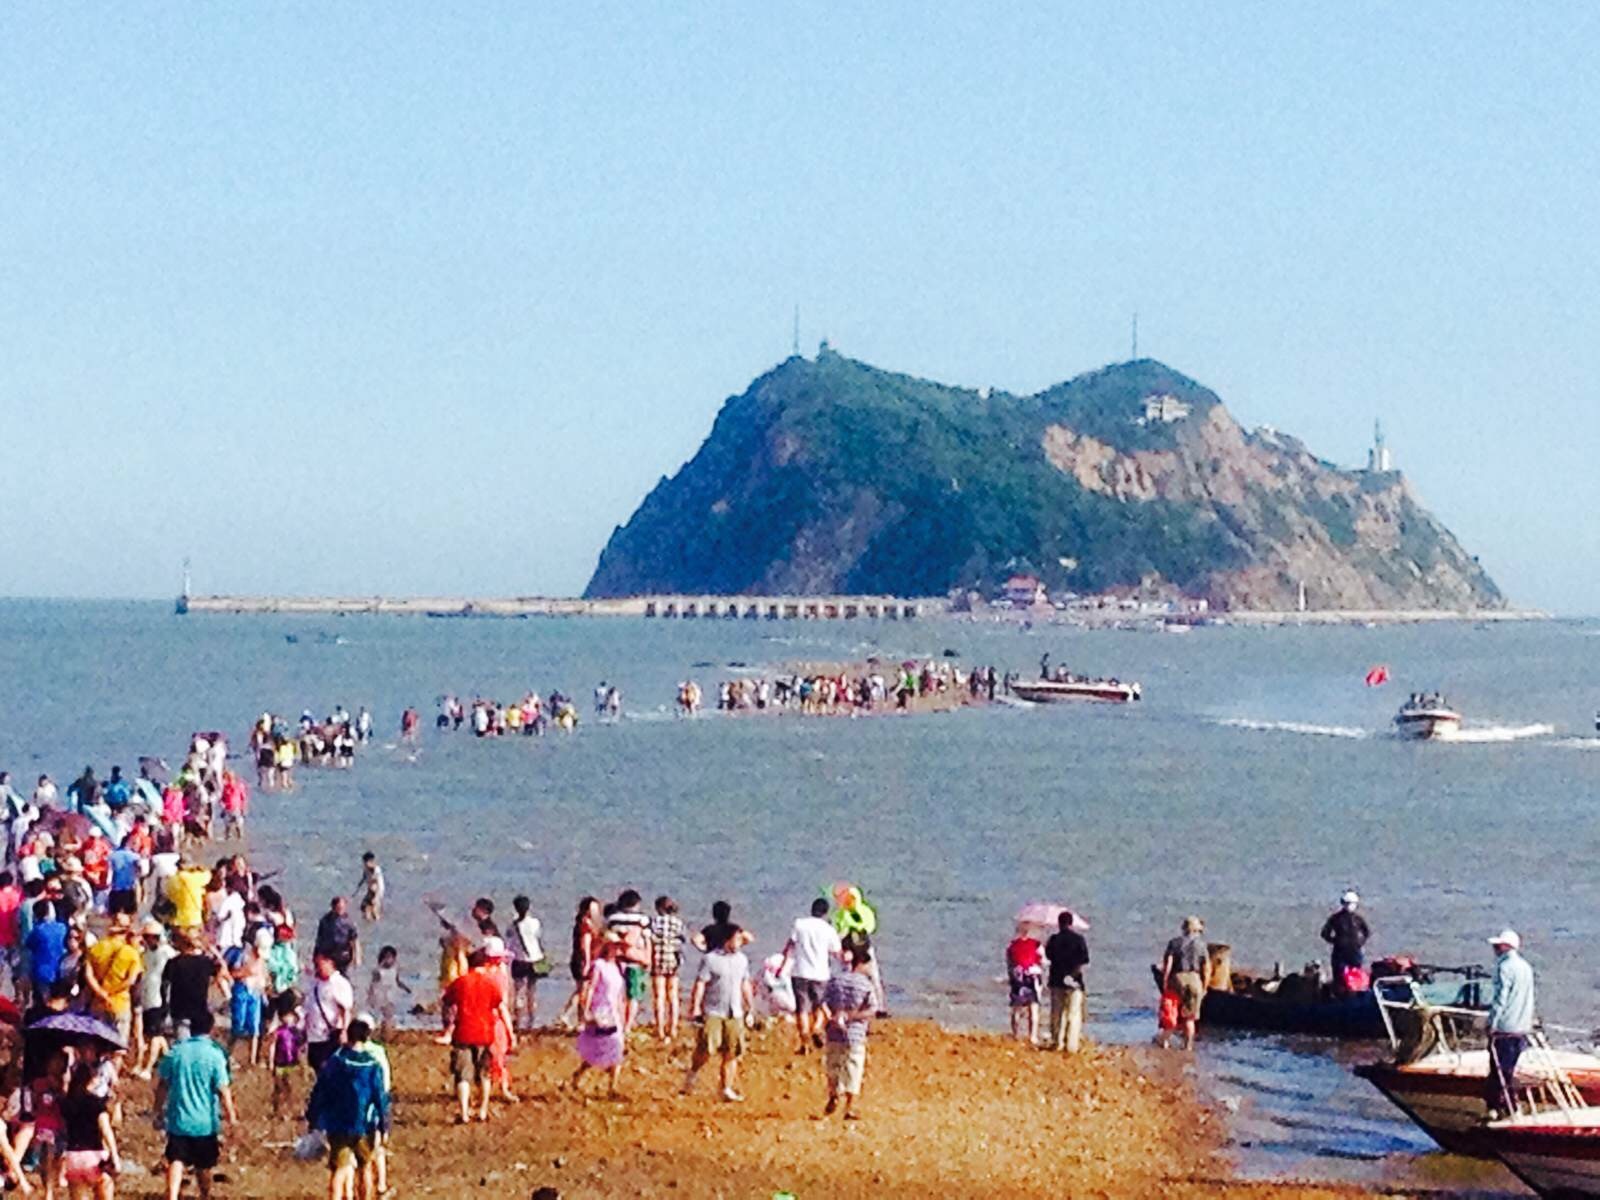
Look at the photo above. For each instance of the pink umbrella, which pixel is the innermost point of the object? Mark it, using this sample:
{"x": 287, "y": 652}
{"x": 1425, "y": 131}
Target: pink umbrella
{"x": 1048, "y": 916}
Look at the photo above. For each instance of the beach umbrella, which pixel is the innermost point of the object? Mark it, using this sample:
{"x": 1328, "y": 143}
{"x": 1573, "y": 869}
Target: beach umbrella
{"x": 70, "y": 1027}
{"x": 1048, "y": 916}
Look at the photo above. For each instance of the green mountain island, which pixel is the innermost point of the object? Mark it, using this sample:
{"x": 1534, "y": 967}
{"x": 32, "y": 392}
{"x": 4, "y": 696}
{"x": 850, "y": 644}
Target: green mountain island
{"x": 834, "y": 477}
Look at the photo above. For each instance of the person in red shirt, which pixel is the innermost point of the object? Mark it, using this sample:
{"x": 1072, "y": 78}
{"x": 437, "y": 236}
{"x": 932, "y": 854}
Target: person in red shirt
{"x": 96, "y": 859}
{"x": 474, "y": 1007}
{"x": 1024, "y": 971}
{"x": 10, "y": 923}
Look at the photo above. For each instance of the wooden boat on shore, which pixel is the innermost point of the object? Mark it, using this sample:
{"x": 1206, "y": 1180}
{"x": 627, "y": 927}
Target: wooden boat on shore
{"x": 1304, "y": 1004}
{"x": 1053, "y": 691}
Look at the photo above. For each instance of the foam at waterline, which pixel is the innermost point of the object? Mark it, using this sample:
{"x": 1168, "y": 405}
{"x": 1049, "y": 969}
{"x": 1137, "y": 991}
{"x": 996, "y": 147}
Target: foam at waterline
{"x": 1301, "y": 727}
{"x": 1499, "y": 733}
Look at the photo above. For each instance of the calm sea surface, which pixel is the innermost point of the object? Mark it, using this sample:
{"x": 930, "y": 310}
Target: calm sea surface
{"x": 1255, "y": 782}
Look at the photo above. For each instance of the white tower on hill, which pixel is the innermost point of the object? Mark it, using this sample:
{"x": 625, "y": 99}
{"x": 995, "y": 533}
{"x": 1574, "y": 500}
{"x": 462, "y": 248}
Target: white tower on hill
{"x": 1378, "y": 458}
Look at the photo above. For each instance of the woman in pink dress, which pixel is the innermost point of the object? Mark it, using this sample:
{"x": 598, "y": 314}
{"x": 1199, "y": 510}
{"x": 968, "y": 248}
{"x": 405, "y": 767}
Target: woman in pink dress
{"x": 601, "y": 1044}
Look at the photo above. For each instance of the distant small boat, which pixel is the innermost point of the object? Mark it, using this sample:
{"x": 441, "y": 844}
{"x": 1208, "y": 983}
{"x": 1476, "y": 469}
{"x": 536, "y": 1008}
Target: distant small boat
{"x": 1052, "y": 691}
{"x": 1427, "y": 718}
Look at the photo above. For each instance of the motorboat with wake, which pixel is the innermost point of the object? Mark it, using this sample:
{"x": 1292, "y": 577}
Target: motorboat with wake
{"x": 1426, "y": 718}
{"x": 1061, "y": 684}
{"x": 1438, "y": 1080}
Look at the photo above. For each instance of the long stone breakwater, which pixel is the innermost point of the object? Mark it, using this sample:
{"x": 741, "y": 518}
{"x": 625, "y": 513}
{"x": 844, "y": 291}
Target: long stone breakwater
{"x": 721, "y": 608}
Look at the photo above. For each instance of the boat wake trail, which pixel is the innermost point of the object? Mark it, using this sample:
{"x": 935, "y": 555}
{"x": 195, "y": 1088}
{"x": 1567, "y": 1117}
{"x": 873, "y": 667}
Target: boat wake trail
{"x": 1500, "y": 733}
{"x": 1578, "y": 743}
{"x": 1300, "y": 727}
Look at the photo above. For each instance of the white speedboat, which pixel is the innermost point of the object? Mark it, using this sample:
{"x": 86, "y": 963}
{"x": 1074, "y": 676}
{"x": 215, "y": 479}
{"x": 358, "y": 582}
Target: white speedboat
{"x": 1051, "y": 691}
{"x": 1427, "y": 718}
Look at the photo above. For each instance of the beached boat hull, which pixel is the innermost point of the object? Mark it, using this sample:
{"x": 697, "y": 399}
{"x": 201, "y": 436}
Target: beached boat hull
{"x": 1444, "y": 1094}
{"x": 1050, "y": 691}
{"x": 1557, "y": 1155}
{"x": 1354, "y": 1016}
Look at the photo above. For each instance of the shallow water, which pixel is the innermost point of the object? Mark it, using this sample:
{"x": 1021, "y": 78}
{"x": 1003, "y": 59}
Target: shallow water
{"x": 1255, "y": 782}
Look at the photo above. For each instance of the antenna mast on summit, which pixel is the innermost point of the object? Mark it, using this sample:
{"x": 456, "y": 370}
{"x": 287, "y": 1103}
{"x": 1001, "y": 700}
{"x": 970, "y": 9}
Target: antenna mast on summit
{"x": 1134, "y": 357}
{"x": 797, "y": 331}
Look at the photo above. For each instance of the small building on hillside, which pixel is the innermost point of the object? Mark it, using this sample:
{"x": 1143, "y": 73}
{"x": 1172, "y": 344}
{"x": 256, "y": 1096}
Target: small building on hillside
{"x": 1024, "y": 591}
{"x": 1164, "y": 409}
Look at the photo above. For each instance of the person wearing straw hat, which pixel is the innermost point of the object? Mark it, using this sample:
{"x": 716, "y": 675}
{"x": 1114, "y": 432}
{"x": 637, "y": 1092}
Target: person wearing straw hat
{"x": 1510, "y": 1021}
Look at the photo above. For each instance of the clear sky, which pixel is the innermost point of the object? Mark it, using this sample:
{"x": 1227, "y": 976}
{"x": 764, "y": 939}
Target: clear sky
{"x": 424, "y": 298}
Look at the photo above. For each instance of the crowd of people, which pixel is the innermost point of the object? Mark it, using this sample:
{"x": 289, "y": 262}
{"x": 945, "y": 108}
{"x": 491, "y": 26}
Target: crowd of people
{"x": 530, "y": 716}
{"x": 851, "y": 689}
{"x": 624, "y": 961}
{"x": 277, "y": 747}
{"x": 121, "y": 946}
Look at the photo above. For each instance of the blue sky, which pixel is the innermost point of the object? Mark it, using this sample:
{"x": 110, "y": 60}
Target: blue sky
{"x": 423, "y": 299}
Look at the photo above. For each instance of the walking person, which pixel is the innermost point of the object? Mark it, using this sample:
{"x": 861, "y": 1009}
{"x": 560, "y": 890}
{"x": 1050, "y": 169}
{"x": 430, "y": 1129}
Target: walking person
{"x": 1183, "y": 970}
{"x": 720, "y": 1000}
{"x": 194, "y": 1101}
{"x": 813, "y": 946}
{"x": 475, "y": 1012}
{"x": 330, "y": 1003}
{"x": 602, "y": 1045}
{"x": 1068, "y": 953}
{"x": 1024, "y": 974}
{"x": 587, "y": 927}
{"x": 1510, "y": 1022}
{"x": 634, "y": 929}
{"x": 525, "y": 941}
{"x": 350, "y": 1105}
{"x": 848, "y": 1004}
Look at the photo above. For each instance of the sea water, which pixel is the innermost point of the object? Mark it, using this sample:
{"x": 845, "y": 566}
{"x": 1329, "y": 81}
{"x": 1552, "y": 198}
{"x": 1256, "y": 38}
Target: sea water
{"x": 1256, "y": 781}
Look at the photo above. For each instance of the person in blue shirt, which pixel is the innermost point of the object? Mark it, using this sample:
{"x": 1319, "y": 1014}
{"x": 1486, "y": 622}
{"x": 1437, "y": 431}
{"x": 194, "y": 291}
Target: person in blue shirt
{"x": 350, "y": 1104}
{"x": 117, "y": 791}
{"x": 46, "y": 946}
{"x": 193, "y": 1098}
{"x": 124, "y": 898}
{"x": 1510, "y": 1021}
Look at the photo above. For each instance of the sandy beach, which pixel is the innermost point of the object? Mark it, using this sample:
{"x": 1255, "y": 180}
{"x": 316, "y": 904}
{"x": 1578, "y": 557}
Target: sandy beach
{"x": 944, "y": 1115}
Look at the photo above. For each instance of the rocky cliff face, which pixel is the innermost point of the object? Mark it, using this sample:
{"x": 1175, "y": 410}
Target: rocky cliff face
{"x": 832, "y": 476}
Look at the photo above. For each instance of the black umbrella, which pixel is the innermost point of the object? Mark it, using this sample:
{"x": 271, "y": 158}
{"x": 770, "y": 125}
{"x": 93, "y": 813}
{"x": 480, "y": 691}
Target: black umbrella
{"x": 70, "y": 1027}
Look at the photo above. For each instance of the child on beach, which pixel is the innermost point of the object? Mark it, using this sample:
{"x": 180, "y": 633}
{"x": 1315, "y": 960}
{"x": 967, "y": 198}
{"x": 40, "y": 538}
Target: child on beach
{"x": 382, "y": 987}
{"x": 235, "y": 803}
{"x": 371, "y": 887}
{"x": 288, "y": 1043}
{"x": 283, "y": 962}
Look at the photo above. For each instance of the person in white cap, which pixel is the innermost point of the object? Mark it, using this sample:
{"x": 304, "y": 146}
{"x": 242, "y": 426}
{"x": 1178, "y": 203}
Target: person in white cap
{"x": 1347, "y": 932}
{"x": 1510, "y": 1020}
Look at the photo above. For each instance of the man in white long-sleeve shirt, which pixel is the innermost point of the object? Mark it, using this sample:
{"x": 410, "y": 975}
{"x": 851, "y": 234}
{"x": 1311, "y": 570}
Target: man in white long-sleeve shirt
{"x": 1510, "y": 1020}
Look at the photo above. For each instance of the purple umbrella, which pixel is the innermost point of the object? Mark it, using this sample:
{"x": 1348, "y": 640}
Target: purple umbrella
{"x": 76, "y": 1027}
